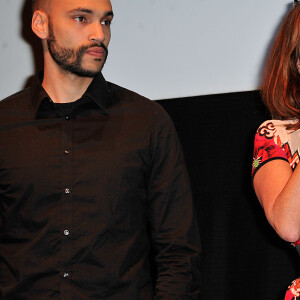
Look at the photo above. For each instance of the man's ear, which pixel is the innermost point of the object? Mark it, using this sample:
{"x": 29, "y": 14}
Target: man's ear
{"x": 39, "y": 24}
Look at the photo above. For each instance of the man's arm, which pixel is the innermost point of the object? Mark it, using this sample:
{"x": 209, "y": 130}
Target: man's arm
{"x": 175, "y": 233}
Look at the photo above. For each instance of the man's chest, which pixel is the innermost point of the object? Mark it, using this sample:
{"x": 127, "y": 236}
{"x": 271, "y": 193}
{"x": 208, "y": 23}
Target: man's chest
{"x": 66, "y": 168}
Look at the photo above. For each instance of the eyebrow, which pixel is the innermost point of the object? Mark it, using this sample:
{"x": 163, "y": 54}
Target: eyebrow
{"x": 89, "y": 11}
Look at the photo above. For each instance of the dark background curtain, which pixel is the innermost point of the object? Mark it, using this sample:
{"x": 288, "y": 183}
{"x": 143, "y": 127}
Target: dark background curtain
{"x": 242, "y": 257}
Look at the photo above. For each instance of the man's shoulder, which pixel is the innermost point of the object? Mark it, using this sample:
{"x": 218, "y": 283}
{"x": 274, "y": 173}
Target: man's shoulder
{"x": 15, "y": 108}
{"x": 16, "y": 99}
{"x": 138, "y": 107}
{"x": 131, "y": 98}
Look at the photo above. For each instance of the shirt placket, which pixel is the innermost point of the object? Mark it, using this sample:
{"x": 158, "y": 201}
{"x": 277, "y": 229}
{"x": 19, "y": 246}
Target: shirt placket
{"x": 66, "y": 207}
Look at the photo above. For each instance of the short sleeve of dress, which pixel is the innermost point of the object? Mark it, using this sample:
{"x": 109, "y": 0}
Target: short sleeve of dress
{"x": 267, "y": 146}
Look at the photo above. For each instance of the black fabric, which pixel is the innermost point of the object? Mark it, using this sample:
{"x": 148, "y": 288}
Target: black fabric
{"x": 242, "y": 258}
{"x": 85, "y": 190}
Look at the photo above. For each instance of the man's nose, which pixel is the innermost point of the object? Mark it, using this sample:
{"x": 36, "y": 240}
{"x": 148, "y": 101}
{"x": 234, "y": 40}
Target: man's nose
{"x": 97, "y": 33}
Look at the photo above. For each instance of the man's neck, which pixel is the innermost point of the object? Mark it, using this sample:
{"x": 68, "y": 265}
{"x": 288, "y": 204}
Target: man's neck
{"x": 64, "y": 87}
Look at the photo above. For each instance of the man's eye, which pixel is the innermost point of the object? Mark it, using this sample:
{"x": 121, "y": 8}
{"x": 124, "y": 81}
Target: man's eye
{"x": 106, "y": 23}
{"x": 80, "y": 19}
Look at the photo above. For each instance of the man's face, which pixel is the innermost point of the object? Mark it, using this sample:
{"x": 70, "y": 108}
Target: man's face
{"x": 79, "y": 34}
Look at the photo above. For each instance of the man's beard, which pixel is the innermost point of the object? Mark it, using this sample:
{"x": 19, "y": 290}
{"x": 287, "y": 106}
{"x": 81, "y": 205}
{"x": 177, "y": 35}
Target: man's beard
{"x": 70, "y": 60}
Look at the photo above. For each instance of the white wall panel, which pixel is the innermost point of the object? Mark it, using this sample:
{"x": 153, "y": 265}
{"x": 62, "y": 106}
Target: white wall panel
{"x": 165, "y": 48}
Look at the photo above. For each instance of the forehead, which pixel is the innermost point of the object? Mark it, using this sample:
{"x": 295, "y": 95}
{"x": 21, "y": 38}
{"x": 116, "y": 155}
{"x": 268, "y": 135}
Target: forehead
{"x": 69, "y": 5}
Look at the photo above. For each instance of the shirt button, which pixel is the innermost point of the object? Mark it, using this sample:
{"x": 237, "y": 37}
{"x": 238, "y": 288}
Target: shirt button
{"x": 67, "y": 191}
{"x": 66, "y": 275}
{"x": 66, "y": 232}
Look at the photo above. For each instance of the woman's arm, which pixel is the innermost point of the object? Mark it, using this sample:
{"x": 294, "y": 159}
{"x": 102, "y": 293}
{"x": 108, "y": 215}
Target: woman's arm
{"x": 278, "y": 190}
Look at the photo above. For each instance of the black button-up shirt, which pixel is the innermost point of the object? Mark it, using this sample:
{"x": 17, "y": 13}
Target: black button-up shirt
{"x": 86, "y": 189}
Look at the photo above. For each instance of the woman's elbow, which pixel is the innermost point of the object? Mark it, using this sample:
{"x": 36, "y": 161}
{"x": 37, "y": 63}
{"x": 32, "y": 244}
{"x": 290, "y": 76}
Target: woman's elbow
{"x": 287, "y": 231}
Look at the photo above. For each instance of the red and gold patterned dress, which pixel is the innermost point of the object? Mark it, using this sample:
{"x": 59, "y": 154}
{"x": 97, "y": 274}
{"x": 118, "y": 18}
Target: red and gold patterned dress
{"x": 274, "y": 141}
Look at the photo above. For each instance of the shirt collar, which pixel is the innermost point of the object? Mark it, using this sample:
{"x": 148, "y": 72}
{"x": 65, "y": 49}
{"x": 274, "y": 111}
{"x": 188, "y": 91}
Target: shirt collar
{"x": 97, "y": 91}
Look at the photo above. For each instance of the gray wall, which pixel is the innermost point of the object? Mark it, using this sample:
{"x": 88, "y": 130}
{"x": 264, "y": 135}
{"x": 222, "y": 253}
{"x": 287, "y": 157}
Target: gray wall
{"x": 165, "y": 48}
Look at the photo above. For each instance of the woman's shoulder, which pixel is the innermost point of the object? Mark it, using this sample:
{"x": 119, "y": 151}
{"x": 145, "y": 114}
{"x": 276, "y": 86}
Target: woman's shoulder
{"x": 278, "y": 123}
{"x": 269, "y": 128}
{"x": 273, "y": 140}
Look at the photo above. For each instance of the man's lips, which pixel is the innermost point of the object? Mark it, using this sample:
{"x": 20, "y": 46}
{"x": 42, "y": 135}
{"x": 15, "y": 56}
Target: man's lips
{"x": 98, "y": 52}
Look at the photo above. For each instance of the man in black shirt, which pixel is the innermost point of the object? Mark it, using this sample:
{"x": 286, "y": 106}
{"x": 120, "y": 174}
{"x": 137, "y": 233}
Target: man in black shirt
{"x": 91, "y": 177}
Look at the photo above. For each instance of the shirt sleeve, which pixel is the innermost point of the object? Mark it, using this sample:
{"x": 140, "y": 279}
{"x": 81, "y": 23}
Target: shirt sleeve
{"x": 267, "y": 146}
{"x": 175, "y": 233}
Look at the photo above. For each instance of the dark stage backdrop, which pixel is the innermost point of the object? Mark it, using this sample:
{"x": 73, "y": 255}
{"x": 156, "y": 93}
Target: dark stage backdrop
{"x": 242, "y": 256}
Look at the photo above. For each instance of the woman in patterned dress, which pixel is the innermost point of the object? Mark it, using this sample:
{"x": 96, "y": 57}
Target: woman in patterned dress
{"x": 275, "y": 170}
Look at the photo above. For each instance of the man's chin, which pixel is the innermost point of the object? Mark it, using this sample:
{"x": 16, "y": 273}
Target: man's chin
{"x": 83, "y": 72}
{"x": 90, "y": 71}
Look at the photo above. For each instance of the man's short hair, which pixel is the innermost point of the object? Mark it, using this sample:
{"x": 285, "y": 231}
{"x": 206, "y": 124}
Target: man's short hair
{"x": 35, "y": 4}
{"x": 38, "y": 4}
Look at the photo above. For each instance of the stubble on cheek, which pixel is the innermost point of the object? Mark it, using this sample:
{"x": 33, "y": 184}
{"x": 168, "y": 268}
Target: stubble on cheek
{"x": 71, "y": 59}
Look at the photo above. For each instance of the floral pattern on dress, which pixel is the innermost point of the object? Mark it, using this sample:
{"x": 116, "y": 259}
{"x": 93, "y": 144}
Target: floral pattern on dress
{"x": 268, "y": 146}
{"x": 293, "y": 291}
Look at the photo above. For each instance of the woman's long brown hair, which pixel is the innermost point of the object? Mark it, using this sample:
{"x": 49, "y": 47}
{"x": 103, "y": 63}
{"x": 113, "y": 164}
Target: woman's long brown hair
{"x": 281, "y": 83}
